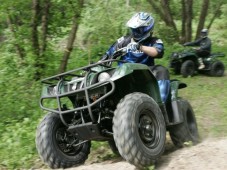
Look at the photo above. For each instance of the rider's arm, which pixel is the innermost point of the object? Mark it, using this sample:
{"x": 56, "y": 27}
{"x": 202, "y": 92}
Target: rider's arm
{"x": 157, "y": 50}
{"x": 121, "y": 42}
{"x": 151, "y": 51}
{"x": 193, "y": 43}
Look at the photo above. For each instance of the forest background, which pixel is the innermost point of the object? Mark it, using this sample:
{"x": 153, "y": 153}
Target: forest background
{"x": 41, "y": 38}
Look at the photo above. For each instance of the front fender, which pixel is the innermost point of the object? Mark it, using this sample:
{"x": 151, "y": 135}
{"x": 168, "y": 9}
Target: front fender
{"x": 127, "y": 69}
{"x": 131, "y": 77}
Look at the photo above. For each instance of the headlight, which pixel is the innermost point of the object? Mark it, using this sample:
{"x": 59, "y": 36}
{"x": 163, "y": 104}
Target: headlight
{"x": 174, "y": 55}
{"x": 103, "y": 77}
{"x": 52, "y": 90}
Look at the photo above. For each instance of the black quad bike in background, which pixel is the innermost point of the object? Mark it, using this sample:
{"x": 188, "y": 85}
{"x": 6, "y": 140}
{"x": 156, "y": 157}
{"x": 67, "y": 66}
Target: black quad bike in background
{"x": 117, "y": 104}
{"x": 186, "y": 63}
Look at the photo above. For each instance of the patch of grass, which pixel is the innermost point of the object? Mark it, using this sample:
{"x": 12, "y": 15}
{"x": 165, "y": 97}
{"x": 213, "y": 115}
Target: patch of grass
{"x": 100, "y": 151}
{"x": 208, "y": 96}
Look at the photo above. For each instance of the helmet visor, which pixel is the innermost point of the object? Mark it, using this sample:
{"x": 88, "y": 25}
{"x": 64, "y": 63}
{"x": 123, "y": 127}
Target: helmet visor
{"x": 203, "y": 34}
{"x": 138, "y": 32}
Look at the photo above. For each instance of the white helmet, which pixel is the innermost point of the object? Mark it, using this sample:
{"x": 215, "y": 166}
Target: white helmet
{"x": 204, "y": 33}
{"x": 141, "y": 25}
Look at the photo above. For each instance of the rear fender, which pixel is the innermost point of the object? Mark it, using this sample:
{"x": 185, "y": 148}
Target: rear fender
{"x": 217, "y": 55}
{"x": 175, "y": 85}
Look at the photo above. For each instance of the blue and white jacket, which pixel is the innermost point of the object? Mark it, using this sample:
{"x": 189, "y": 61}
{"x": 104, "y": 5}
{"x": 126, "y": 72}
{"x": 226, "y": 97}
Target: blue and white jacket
{"x": 137, "y": 56}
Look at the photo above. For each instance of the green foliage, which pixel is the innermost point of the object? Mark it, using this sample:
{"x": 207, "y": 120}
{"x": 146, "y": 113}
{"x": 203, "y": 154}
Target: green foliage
{"x": 166, "y": 33}
{"x": 98, "y": 37}
{"x": 102, "y": 23}
{"x": 19, "y": 113}
{"x": 17, "y": 143}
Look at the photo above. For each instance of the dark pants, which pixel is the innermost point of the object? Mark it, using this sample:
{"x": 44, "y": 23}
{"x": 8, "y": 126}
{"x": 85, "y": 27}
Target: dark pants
{"x": 203, "y": 54}
{"x": 160, "y": 72}
{"x": 162, "y": 75}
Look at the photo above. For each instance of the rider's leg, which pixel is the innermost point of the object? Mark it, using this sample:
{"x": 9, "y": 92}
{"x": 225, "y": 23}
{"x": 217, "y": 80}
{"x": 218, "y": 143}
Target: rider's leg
{"x": 162, "y": 75}
{"x": 164, "y": 88}
{"x": 201, "y": 55}
{"x": 201, "y": 64}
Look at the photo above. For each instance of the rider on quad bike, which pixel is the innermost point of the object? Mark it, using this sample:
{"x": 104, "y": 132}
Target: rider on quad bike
{"x": 204, "y": 48}
{"x": 143, "y": 48}
{"x": 200, "y": 60}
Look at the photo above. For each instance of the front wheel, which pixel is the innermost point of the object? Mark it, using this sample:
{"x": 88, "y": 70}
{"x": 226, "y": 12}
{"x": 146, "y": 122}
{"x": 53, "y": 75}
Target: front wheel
{"x": 57, "y": 147}
{"x": 188, "y": 68}
{"x": 186, "y": 131}
{"x": 139, "y": 129}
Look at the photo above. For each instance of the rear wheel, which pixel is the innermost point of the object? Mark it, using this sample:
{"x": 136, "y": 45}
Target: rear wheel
{"x": 186, "y": 131}
{"x": 56, "y": 146}
{"x": 188, "y": 68}
{"x": 217, "y": 69}
{"x": 139, "y": 129}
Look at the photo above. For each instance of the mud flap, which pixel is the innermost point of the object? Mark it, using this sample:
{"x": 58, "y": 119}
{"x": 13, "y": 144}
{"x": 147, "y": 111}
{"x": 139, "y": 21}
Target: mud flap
{"x": 175, "y": 102}
{"x": 177, "y": 115}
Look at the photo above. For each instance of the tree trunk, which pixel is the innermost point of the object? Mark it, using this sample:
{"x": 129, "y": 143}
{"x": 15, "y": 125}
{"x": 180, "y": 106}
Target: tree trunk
{"x": 188, "y": 22}
{"x": 19, "y": 49}
{"x": 71, "y": 39}
{"x": 45, "y": 19}
{"x": 35, "y": 22}
{"x": 69, "y": 46}
{"x": 202, "y": 17}
{"x": 167, "y": 13}
{"x": 169, "y": 18}
{"x": 39, "y": 66}
{"x": 216, "y": 13}
{"x": 184, "y": 17}
{"x": 164, "y": 12}
{"x": 157, "y": 10}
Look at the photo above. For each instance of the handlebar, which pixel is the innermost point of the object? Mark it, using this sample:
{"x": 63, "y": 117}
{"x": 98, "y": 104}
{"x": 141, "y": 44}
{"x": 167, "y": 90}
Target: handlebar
{"x": 115, "y": 55}
{"x": 119, "y": 53}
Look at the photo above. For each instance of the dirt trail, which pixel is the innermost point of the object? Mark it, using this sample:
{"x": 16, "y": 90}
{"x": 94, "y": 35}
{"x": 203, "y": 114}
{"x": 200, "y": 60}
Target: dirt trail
{"x": 210, "y": 154}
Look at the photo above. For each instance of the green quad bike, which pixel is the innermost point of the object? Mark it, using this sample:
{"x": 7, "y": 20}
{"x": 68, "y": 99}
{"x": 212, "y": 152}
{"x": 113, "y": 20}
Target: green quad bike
{"x": 186, "y": 63}
{"x": 117, "y": 104}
